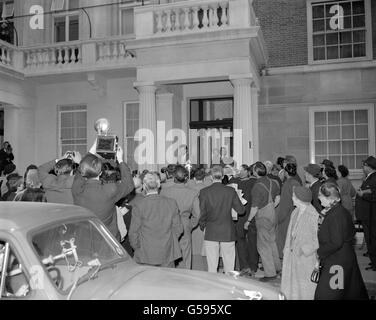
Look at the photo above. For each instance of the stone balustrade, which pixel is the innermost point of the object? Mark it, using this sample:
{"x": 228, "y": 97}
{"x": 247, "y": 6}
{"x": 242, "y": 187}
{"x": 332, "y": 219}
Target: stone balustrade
{"x": 6, "y": 53}
{"x": 191, "y": 16}
{"x": 112, "y": 50}
{"x": 57, "y": 55}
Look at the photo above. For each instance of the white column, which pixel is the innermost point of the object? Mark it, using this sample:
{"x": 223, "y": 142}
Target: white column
{"x": 255, "y": 121}
{"x": 244, "y": 119}
{"x": 164, "y": 101}
{"x": 19, "y": 130}
{"x": 148, "y": 126}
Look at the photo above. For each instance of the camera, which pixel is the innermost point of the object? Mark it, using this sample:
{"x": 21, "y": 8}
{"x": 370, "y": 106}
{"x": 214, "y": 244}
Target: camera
{"x": 106, "y": 143}
{"x": 107, "y": 146}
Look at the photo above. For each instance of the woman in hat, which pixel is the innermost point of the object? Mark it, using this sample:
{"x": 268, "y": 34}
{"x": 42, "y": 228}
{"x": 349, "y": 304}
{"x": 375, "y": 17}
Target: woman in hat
{"x": 340, "y": 277}
{"x": 300, "y": 248}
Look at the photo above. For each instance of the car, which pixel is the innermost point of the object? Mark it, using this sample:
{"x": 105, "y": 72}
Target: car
{"x": 56, "y": 251}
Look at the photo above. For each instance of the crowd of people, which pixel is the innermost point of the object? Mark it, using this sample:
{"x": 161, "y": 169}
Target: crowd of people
{"x": 292, "y": 222}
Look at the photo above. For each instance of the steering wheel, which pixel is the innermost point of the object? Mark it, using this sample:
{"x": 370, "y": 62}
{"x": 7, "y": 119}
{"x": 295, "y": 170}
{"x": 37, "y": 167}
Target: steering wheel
{"x": 57, "y": 279}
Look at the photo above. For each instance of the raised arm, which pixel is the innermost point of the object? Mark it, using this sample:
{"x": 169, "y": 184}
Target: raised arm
{"x": 134, "y": 229}
{"x": 203, "y": 211}
{"x": 195, "y": 212}
{"x": 43, "y": 172}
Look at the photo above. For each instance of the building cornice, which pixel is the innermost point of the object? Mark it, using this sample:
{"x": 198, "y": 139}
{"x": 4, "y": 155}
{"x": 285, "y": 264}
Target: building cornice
{"x": 321, "y": 67}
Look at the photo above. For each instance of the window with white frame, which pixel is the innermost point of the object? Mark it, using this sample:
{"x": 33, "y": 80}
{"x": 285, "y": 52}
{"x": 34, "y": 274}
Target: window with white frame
{"x": 339, "y": 30}
{"x": 132, "y": 124}
{"x": 126, "y": 15}
{"x": 66, "y": 20}
{"x": 342, "y": 134}
{"x": 7, "y": 26}
{"x": 72, "y": 128}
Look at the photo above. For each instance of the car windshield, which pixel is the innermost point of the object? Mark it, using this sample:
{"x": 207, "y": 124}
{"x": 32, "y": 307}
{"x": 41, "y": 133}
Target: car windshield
{"x": 71, "y": 251}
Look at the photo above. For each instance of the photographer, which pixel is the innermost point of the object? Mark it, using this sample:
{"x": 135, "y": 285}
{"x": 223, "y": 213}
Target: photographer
{"x": 58, "y": 186}
{"x": 6, "y": 155}
{"x": 90, "y": 192}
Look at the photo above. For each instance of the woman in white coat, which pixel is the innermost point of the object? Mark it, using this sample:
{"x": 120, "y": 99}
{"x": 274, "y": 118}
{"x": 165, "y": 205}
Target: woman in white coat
{"x": 299, "y": 257}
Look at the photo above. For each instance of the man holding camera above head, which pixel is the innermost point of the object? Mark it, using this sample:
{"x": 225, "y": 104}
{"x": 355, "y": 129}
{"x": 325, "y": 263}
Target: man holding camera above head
{"x": 58, "y": 186}
{"x": 6, "y": 155}
{"x": 101, "y": 198}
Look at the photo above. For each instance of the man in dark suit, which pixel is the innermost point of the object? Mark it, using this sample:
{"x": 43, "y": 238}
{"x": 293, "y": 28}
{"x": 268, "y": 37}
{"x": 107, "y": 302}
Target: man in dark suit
{"x": 6, "y": 155}
{"x": 246, "y": 241}
{"x": 216, "y": 204}
{"x": 155, "y": 227}
{"x": 312, "y": 174}
{"x": 189, "y": 210}
{"x": 365, "y": 208}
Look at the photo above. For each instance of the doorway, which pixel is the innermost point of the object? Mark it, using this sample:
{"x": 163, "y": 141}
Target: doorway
{"x": 210, "y": 130}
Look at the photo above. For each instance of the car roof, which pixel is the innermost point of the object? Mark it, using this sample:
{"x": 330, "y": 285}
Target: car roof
{"x": 15, "y": 215}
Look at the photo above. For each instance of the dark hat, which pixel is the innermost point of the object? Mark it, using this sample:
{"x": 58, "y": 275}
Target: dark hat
{"x": 327, "y": 163}
{"x": 313, "y": 169}
{"x": 9, "y": 168}
{"x": 371, "y": 162}
{"x": 303, "y": 194}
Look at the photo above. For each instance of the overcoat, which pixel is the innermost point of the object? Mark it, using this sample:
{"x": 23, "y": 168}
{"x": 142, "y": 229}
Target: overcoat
{"x": 299, "y": 257}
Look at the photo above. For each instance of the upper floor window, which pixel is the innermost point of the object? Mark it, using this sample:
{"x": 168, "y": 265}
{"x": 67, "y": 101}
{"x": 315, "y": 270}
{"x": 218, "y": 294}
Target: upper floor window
{"x": 126, "y": 15}
{"x": 343, "y": 134}
{"x": 339, "y": 31}
{"x": 6, "y": 26}
{"x": 66, "y": 20}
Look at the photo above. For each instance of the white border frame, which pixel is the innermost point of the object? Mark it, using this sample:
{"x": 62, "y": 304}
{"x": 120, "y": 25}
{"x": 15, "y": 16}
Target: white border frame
{"x": 369, "y": 47}
{"x": 370, "y": 107}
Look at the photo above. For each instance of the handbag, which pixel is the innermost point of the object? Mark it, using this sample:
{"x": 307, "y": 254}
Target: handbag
{"x": 315, "y": 276}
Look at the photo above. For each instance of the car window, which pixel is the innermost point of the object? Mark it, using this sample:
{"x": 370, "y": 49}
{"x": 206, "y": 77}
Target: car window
{"x": 13, "y": 281}
{"x": 72, "y": 250}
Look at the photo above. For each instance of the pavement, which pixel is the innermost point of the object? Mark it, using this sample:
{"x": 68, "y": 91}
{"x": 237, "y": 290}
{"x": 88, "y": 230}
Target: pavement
{"x": 369, "y": 276}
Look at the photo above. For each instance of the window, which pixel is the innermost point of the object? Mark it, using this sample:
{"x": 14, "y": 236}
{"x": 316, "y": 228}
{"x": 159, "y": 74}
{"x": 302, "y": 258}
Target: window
{"x": 339, "y": 31}
{"x": 126, "y": 16}
{"x": 343, "y": 134}
{"x": 66, "y": 20}
{"x": 7, "y": 26}
{"x": 208, "y": 110}
{"x": 132, "y": 119}
{"x": 72, "y": 125}
{"x": 15, "y": 283}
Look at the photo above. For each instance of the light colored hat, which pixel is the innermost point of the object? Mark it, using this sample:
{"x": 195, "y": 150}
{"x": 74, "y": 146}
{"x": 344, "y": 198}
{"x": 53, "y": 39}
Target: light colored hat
{"x": 303, "y": 194}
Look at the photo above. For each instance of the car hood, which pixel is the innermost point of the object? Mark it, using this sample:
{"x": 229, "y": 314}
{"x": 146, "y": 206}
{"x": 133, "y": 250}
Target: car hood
{"x": 129, "y": 281}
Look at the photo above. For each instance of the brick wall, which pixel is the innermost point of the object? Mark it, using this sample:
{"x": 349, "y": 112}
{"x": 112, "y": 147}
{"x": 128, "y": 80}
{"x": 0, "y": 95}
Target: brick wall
{"x": 373, "y": 9}
{"x": 284, "y": 26}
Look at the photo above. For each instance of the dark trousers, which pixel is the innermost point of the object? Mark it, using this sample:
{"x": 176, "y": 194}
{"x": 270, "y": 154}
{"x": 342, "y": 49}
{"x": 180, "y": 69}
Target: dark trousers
{"x": 246, "y": 245}
{"x": 366, "y": 230}
{"x": 372, "y": 239}
{"x": 126, "y": 244}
